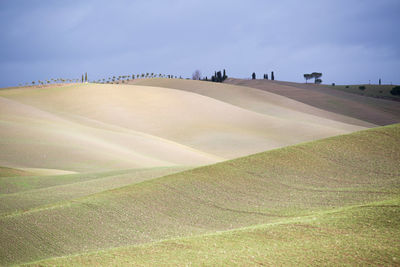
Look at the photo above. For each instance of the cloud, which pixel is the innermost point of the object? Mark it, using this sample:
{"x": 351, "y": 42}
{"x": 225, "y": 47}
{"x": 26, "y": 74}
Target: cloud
{"x": 352, "y": 41}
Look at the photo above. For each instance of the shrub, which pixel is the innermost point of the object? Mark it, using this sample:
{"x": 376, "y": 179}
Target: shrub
{"x": 395, "y": 90}
{"x": 347, "y": 86}
{"x": 362, "y": 87}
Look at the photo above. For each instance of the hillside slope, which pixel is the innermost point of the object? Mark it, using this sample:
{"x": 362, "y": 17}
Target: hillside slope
{"x": 277, "y": 185}
{"x": 255, "y": 100}
{"x": 93, "y": 127}
{"x": 373, "y": 110}
{"x": 339, "y": 237}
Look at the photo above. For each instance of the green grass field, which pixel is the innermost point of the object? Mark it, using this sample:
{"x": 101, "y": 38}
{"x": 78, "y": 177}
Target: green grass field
{"x": 333, "y": 201}
{"x": 356, "y": 235}
{"x": 372, "y": 90}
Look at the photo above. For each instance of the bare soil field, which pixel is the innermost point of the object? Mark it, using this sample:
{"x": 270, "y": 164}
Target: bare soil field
{"x": 97, "y": 127}
{"x": 373, "y": 110}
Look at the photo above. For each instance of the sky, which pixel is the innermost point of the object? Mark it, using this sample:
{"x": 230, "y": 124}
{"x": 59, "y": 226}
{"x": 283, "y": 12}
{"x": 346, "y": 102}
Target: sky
{"x": 348, "y": 41}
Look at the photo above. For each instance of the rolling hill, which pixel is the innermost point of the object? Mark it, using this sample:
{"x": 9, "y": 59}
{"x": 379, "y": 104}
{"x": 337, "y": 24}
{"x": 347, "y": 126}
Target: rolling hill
{"x": 373, "y": 110}
{"x": 343, "y": 190}
{"x": 95, "y": 128}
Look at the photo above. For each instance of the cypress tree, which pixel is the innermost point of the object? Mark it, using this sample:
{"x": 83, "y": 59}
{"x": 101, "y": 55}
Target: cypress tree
{"x": 219, "y": 76}
{"x": 253, "y": 76}
{"x": 272, "y": 76}
{"x": 82, "y": 78}
{"x": 85, "y": 76}
{"x": 224, "y": 76}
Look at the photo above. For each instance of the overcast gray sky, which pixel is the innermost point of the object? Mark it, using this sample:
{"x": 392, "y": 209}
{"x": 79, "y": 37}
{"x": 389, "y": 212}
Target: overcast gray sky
{"x": 348, "y": 41}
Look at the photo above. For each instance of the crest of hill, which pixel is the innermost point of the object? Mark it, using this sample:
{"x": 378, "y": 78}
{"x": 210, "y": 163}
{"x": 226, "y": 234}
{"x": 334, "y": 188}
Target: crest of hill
{"x": 277, "y": 185}
{"x": 368, "y": 109}
{"x": 95, "y": 127}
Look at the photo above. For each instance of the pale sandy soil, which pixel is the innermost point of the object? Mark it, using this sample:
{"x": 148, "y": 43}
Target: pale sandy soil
{"x": 95, "y": 127}
{"x": 260, "y": 101}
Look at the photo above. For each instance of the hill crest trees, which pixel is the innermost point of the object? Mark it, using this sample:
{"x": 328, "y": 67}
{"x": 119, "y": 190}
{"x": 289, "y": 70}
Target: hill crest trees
{"x": 315, "y": 75}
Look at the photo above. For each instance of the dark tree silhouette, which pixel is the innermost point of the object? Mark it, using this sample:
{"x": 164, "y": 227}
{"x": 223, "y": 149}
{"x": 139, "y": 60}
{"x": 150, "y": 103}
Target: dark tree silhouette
{"x": 316, "y": 76}
{"x": 253, "y": 76}
{"x": 219, "y": 76}
{"x": 307, "y": 77}
{"x": 395, "y": 90}
{"x": 272, "y": 76}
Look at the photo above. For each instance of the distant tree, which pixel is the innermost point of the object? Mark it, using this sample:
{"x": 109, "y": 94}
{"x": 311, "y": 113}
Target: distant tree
{"x": 380, "y": 82}
{"x": 196, "y": 75}
{"x": 318, "y": 81}
{"x": 272, "y": 76}
{"x": 224, "y": 77}
{"x": 253, "y": 76}
{"x": 316, "y": 76}
{"x": 219, "y": 76}
{"x": 86, "y": 77}
{"x": 307, "y": 77}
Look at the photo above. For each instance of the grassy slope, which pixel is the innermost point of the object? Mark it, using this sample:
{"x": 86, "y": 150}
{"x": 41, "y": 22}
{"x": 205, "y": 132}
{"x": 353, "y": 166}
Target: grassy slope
{"x": 8, "y": 172}
{"x": 18, "y": 194}
{"x": 373, "y": 90}
{"x": 373, "y": 110}
{"x": 301, "y": 180}
{"x": 94, "y": 127}
{"x": 357, "y": 235}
